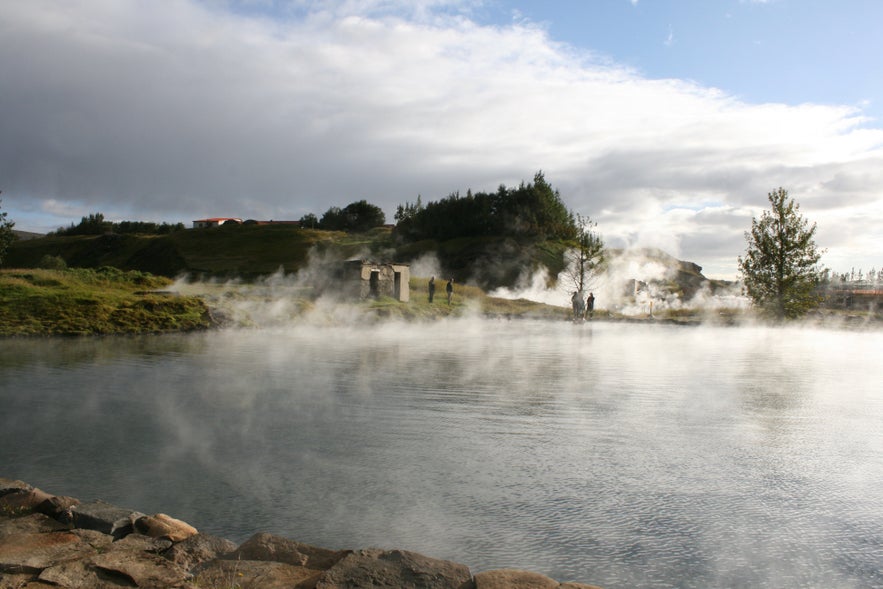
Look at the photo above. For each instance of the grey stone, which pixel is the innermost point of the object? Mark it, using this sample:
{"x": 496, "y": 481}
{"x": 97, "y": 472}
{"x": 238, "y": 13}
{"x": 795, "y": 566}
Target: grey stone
{"x": 518, "y": 579}
{"x": 254, "y": 574}
{"x": 274, "y": 548}
{"x": 394, "y": 568}
{"x": 34, "y": 523}
{"x": 33, "y": 552}
{"x": 143, "y": 568}
{"x": 105, "y": 518}
{"x": 198, "y": 549}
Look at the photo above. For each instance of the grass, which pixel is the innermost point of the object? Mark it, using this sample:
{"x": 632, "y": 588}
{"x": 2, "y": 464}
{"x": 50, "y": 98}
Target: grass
{"x": 465, "y": 301}
{"x": 79, "y": 301}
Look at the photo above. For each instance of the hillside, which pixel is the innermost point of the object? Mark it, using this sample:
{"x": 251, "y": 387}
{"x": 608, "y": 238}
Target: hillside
{"x": 248, "y": 252}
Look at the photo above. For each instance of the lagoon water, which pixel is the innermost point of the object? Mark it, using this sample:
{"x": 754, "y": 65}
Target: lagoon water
{"x": 622, "y": 455}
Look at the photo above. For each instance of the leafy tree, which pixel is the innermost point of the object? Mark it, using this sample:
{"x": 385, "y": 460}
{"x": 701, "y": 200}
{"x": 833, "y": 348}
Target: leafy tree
{"x": 357, "y": 216}
{"x": 531, "y": 211}
{"x": 585, "y": 259}
{"x": 6, "y": 234}
{"x": 309, "y": 220}
{"x": 779, "y": 268}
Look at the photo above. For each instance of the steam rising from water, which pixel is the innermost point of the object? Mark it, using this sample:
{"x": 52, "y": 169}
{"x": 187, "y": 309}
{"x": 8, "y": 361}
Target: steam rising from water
{"x": 633, "y": 284}
{"x": 615, "y": 454}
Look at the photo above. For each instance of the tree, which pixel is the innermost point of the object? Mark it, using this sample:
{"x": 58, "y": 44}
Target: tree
{"x": 309, "y": 221}
{"x": 585, "y": 259}
{"x": 779, "y": 269}
{"x": 357, "y": 216}
{"x": 6, "y": 234}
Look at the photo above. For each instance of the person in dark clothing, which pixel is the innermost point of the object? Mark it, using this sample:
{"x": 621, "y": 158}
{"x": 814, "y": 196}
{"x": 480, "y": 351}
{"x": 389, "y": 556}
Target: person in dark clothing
{"x": 431, "y": 288}
{"x": 590, "y": 304}
{"x": 449, "y": 288}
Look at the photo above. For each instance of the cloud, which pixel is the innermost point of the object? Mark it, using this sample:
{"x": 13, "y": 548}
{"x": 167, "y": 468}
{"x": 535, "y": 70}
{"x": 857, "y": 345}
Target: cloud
{"x": 183, "y": 109}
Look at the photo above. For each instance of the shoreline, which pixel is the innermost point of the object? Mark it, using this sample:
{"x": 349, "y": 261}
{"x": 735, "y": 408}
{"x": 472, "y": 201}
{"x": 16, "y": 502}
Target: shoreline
{"x": 51, "y": 540}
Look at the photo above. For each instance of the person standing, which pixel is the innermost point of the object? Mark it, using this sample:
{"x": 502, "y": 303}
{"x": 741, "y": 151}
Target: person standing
{"x": 450, "y": 290}
{"x": 590, "y": 304}
{"x": 431, "y": 288}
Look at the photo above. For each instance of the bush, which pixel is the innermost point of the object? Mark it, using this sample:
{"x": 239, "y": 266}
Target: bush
{"x": 48, "y": 262}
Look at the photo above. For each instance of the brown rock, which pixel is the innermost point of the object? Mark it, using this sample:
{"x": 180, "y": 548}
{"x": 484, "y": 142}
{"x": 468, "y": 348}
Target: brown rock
{"x": 274, "y": 548}
{"x": 58, "y": 507}
{"x": 31, "y": 553}
{"x": 10, "y": 485}
{"x": 513, "y": 579}
{"x": 23, "y": 500}
{"x": 32, "y": 524}
{"x": 142, "y": 568}
{"x": 198, "y": 549}
{"x": 394, "y": 568}
{"x": 80, "y": 574}
{"x": 15, "y": 581}
{"x": 253, "y": 574}
{"x": 163, "y": 526}
{"x": 517, "y": 579}
{"x": 136, "y": 541}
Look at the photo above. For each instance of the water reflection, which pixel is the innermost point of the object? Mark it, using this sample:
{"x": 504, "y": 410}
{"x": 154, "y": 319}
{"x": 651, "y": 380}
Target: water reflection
{"x": 622, "y": 455}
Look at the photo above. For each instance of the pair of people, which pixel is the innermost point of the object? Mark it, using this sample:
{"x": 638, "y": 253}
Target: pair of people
{"x": 580, "y": 308}
{"x": 449, "y": 289}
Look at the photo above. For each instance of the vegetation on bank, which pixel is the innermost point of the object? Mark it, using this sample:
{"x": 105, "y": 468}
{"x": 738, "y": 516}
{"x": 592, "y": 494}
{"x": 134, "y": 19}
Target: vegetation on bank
{"x": 81, "y": 301}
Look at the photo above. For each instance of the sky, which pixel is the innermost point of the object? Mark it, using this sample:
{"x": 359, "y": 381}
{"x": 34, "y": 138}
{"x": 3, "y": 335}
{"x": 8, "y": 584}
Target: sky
{"x": 667, "y": 122}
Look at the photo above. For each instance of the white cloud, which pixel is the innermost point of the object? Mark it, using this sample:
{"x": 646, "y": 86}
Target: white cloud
{"x": 181, "y": 109}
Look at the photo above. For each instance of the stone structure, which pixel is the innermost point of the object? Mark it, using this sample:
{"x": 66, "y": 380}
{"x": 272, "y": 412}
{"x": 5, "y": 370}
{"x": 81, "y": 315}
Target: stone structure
{"x": 367, "y": 279}
{"x": 49, "y": 541}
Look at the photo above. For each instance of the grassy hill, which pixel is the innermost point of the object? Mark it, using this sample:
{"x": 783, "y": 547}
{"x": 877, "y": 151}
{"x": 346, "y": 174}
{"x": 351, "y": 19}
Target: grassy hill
{"x": 37, "y": 302}
{"x": 248, "y": 252}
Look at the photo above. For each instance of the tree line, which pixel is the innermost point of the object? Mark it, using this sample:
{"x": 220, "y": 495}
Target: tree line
{"x": 95, "y": 224}
{"x": 533, "y": 210}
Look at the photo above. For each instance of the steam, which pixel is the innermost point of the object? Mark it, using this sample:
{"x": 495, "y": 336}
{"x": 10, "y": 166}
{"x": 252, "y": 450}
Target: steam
{"x": 634, "y": 283}
{"x": 312, "y": 295}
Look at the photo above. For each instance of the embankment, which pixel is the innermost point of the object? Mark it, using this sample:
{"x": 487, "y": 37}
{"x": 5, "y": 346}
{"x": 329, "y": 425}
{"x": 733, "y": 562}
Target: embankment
{"x": 57, "y": 541}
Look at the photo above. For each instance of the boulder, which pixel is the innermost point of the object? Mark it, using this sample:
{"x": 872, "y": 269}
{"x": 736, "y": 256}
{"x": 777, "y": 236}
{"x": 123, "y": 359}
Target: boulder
{"x": 34, "y": 523}
{"x": 517, "y": 579}
{"x": 144, "y": 569}
{"x": 198, "y": 549}
{"x": 394, "y": 568}
{"x": 136, "y": 541}
{"x": 254, "y": 574}
{"x": 105, "y": 518}
{"x": 32, "y": 552}
{"x": 12, "y": 485}
{"x": 58, "y": 507}
{"x": 163, "y": 526}
{"x": 274, "y": 548}
{"x": 22, "y": 500}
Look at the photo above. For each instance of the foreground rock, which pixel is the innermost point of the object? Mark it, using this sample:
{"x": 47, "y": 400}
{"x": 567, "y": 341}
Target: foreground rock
{"x": 49, "y": 541}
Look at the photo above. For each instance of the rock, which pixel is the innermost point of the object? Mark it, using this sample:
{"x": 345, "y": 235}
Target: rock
{"x": 32, "y": 552}
{"x": 516, "y": 579}
{"x": 394, "y": 568}
{"x": 163, "y": 526}
{"x": 33, "y": 524}
{"x": 22, "y": 500}
{"x": 253, "y": 574}
{"x": 144, "y": 569}
{"x": 198, "y": 549}
{"x": 274, "y": 548}
{"x": 80, "y": 574}
{"x": 105, "y": 518}
{"x": 58, "y": 507}
{"x": 10, "y": 485}
{"x": 136, "y": 541}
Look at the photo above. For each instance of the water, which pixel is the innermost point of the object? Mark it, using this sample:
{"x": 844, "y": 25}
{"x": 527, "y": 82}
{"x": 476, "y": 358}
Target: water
{"x": 619, "y": 455}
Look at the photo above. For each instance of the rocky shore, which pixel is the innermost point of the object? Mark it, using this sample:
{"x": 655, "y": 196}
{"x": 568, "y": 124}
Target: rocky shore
{"x": 53, "y": 541}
